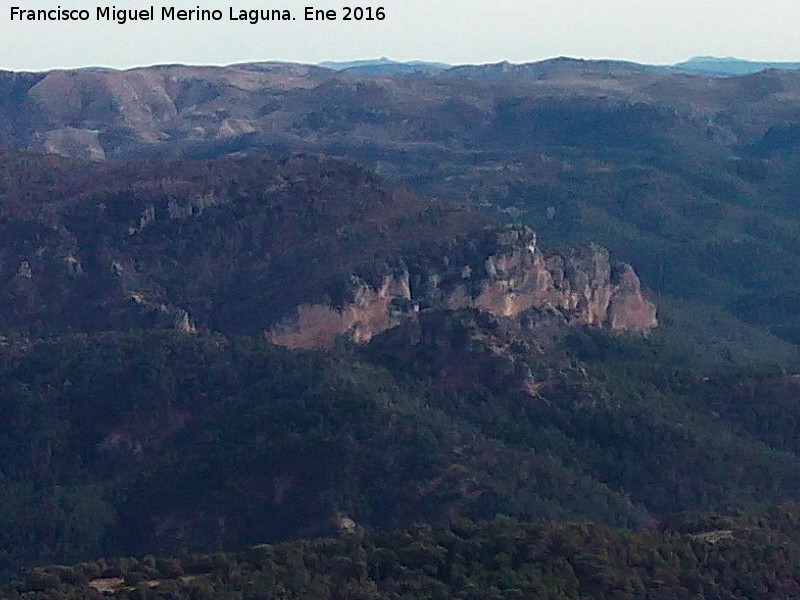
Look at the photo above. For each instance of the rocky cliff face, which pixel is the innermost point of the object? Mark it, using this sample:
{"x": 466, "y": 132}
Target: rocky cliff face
{"x": 371, "y": 311}
{"x": 504, "y": 274}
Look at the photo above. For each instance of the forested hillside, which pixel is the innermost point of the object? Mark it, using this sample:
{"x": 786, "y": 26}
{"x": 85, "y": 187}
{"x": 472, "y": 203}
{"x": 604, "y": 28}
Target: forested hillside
{"x": 722, "y": 557}
{"x": 166, "y": 442}
{"x": 563, "y": 292}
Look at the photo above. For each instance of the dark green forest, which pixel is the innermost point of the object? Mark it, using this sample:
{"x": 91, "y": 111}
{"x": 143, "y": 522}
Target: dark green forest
{"x": 721, "y": 557}
{"x": 168, "y": 442}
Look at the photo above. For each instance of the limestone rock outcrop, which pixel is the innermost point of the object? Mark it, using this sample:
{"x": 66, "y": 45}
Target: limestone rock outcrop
{"x": 503, "y": 273}
{"x": 371, "y": 311}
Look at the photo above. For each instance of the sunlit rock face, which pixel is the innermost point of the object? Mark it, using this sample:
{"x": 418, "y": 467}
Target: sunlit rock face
{"x": 503, "y": 273}
{"x": 371, "y": 311}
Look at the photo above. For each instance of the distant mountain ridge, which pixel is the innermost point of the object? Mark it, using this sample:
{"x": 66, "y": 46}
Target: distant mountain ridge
{"x": 700, "y": 65}
{"x": 729, "y": 66}
{"x": 384, "y": 61}
{"x": 187, "y": 110}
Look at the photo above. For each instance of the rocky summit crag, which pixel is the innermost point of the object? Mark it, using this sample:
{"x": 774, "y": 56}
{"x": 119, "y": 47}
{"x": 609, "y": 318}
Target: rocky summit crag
{"x": 500, "y": 271}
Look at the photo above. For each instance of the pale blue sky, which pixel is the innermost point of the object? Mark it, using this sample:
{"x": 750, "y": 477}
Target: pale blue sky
{"x": 465, "y": 31}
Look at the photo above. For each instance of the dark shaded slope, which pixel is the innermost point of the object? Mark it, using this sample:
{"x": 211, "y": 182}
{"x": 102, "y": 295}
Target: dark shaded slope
{"x": 233, "y": 243}
{"x": 137, "y": 443}
{"x": 162, "y": 442}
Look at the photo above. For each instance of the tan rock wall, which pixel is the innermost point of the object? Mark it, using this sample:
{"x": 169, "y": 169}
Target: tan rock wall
{"x": 318, "y": 325}
{"x": 582, "y": 285}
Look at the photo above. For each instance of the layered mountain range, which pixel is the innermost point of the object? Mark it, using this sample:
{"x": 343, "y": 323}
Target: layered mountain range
{"x": 99, "y": 114}
{"x": 252, "y": 303}
{"x": 681, "y": 175}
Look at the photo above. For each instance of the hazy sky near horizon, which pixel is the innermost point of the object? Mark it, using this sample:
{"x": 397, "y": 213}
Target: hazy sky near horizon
{"x": 466, "y": 31}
